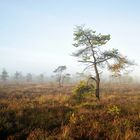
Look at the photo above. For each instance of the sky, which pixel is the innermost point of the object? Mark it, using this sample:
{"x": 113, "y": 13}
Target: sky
{"x": 37, "y": 35}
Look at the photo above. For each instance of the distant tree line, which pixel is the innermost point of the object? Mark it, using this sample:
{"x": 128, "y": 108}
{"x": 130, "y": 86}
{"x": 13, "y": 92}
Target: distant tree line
{"x": 18, "y": 77}
{"x": 59, "y": 76}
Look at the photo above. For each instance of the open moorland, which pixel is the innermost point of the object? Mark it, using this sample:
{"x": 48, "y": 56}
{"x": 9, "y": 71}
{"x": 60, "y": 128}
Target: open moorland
{"x": 44, "y": 112}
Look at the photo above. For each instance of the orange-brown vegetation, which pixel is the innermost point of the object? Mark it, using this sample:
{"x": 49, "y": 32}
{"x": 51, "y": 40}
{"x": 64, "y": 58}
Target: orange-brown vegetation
{"x": 42, "y": 112}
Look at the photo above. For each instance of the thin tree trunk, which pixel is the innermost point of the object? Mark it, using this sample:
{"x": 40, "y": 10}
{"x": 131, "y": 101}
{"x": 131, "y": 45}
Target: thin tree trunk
{"x": 59, "y": 80}
{"x": 97, "y": 90}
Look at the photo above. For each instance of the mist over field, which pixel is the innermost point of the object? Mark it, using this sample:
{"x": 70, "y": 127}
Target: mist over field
{"x": 69, "y": 70}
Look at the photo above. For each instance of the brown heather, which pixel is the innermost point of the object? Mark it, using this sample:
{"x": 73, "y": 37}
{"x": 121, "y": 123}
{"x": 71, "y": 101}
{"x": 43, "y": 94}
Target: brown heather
{"x": 43, "y": 112}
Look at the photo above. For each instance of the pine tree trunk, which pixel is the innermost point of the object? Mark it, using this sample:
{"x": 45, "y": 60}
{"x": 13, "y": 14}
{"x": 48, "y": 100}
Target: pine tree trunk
{"x": 97, "y": 90}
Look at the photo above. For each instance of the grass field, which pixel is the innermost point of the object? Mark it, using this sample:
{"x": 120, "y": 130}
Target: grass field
{"x": 43, "y": 112}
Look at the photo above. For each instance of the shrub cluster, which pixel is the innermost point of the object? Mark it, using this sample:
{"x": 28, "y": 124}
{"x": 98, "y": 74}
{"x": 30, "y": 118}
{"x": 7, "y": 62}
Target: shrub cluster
{"x": 81, "y": 90}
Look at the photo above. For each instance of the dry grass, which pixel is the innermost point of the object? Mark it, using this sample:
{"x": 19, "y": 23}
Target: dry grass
{"x": 43, "y": 112}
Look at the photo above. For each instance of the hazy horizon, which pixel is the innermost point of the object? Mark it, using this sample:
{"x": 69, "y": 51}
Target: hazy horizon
{"x": 37, "y": 36}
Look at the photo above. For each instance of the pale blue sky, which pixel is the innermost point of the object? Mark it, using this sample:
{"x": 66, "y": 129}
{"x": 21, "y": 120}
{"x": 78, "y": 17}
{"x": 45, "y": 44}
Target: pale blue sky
{"x": 37, "y": 35}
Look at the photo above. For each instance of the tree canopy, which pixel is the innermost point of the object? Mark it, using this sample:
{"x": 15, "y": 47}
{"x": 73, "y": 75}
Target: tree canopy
{"x": 92, "y": 52}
